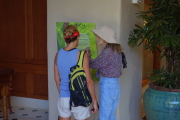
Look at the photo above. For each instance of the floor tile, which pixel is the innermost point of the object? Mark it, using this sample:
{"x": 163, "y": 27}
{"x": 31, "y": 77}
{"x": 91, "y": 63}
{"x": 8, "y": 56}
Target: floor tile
{"x": 24, "y": 113}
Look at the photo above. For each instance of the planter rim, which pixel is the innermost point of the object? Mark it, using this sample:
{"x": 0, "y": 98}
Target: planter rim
{"x": 163, "y": 89}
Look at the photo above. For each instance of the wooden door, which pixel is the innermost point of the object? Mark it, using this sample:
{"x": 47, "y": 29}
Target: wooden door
{"x": 23, "y": 45}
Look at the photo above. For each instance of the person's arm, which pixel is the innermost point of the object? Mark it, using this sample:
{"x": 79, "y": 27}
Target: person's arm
{"x": 90, "y": 83}
{"x": 56, "y": 73}
{"x": 97, "y": 62}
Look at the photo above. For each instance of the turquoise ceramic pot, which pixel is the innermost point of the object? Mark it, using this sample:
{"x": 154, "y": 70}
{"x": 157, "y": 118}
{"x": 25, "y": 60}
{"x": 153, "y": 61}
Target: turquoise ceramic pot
{"x": 161, "y": 105}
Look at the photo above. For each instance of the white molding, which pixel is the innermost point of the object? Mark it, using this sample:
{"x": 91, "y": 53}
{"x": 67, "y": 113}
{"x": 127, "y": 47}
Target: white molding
{"x": 29, "y": 102}
{"x": 136, "y": 1}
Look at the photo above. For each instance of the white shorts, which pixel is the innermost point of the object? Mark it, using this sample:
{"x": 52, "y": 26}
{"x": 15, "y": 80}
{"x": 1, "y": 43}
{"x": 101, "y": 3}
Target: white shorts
{"x": 79, "y": 112}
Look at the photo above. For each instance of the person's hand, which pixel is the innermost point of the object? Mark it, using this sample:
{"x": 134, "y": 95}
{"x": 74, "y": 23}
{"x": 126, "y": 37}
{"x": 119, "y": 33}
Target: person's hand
{"x": 88, "y": 51}
{"x": 95, "y": 107}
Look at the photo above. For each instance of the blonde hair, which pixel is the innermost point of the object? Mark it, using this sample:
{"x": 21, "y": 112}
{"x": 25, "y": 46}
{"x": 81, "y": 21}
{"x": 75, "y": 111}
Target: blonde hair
{"x": 115, "y": 47}
{"x": 68, "y": 31}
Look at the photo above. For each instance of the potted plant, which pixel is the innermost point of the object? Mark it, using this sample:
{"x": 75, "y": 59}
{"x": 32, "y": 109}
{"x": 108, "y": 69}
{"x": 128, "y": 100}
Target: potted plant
{"x": 161, "y": 31}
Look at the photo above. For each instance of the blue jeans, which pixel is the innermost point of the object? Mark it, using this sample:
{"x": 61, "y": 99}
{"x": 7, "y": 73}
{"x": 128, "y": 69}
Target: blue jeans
{"x": 109, "y": 98}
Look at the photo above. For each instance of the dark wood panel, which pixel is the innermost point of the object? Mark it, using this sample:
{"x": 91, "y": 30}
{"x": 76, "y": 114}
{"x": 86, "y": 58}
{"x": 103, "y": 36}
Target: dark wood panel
{"x": 39, "y": 31}
{"x": 29, "y": 67}
{"x": 12, "y": 31}
{"x": 156, "y": 60}
{"x": 19, "y": 83}
{"x": 23, "y": 38}
{"x": 29, "y": 80}
{"x": 40, "y": 84}
{"x": 32, "y": 77}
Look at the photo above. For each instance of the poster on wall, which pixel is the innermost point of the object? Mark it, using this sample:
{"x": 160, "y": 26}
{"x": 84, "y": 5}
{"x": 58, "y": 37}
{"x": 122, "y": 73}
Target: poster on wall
{"x": 87, "y": 39}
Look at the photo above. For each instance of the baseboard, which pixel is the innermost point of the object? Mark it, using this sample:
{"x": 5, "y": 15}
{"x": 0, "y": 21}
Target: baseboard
{"x": 29, "y": 102}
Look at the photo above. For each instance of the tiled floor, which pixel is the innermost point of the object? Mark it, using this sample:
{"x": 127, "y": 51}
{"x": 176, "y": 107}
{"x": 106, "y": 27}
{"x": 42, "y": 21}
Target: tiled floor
{"x": 23, "y": 113}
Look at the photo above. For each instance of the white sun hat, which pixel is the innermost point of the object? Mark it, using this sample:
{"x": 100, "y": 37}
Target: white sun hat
{"x": 106, "y": 33}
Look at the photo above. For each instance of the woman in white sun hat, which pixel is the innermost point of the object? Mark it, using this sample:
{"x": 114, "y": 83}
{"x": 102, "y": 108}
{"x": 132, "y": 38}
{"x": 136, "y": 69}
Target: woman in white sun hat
{"x": 109, "y": 65}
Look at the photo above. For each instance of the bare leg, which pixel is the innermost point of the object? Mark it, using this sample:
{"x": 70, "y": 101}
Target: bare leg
{"x": 81, "y": 119}
{"x": 61, "y": 118}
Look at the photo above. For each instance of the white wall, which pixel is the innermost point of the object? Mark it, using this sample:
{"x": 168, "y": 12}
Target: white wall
{"x": 129, "y": 108}
{"x": 120, "y": 16}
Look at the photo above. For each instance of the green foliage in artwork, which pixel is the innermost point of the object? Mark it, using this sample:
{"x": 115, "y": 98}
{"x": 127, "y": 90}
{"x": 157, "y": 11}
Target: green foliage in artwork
{"x": 86, "y": 28}
{"x": 59, "y": 32}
